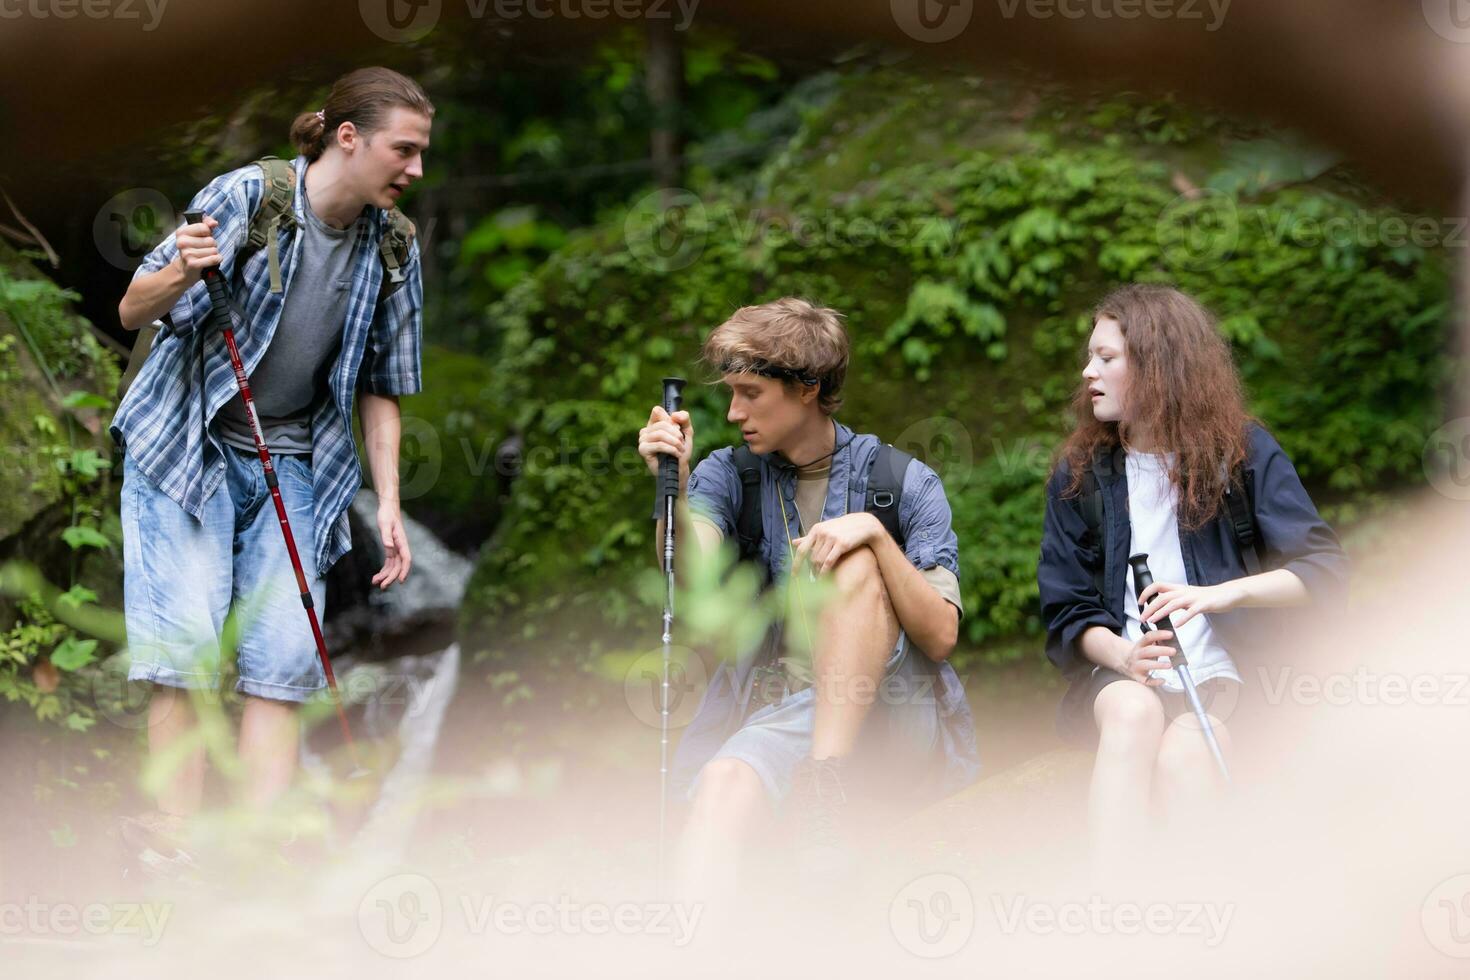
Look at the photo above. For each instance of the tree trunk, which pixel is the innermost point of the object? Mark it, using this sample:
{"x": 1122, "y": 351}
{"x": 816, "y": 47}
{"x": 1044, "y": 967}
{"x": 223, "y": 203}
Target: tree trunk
{"x": 665, "y": 94}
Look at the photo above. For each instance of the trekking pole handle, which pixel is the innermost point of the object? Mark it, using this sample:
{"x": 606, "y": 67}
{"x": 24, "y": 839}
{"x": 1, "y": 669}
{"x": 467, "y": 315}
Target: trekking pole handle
{"x": 668, "y": 466}
{"x": 1143, "y": 578}
{"x": 219, "y": 299}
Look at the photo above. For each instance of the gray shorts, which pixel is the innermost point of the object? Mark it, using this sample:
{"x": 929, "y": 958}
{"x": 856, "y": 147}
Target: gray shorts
{"x": 900, "y": 733}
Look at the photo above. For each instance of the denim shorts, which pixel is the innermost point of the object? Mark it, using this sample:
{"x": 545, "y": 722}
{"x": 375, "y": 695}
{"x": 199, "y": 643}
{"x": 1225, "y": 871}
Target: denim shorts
{"x": 181, "y": 576}
{"x": 899, "y": 738}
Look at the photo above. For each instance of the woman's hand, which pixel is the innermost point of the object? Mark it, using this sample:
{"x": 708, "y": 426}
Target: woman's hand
{"x": 1163, "y": 599}
{"x": 1144, "y": 656}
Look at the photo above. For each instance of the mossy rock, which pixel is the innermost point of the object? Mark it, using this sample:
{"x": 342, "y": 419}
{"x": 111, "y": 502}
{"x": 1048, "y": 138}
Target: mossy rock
{"x": 965, "y": 227}
{"x": 47, "y": 352}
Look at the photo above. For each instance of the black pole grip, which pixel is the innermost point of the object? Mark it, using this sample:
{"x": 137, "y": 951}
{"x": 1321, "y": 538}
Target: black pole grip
{"x": 668, "y": 466}
{"x": 1142, "y": 579}
{"x": 219, "y": 299}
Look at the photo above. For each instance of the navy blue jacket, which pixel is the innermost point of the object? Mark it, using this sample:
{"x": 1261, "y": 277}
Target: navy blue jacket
{"x": 1293, "y": 534}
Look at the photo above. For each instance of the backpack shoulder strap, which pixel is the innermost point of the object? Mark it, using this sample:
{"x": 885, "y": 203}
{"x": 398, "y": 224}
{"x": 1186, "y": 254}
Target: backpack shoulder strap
{"x": 1091, "y": 500}
{"x": 277, "y": 211}
{"x": 885, "y": 488}
{"x": 394, "y": 248}
{"x": 748, "y": 527}
{"x": 1091, "y": 504}
{"x": 1242, "y": 512}
{"x": 274, "y": 212}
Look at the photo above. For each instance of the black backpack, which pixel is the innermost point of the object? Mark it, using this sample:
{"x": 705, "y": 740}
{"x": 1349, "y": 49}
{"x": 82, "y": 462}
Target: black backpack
{"x": 884, "y": 492}
{"x": 1238, "y": 504}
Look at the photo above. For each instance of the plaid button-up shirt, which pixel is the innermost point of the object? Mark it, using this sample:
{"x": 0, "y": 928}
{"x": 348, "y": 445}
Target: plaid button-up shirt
{"x": 163, "y": 422}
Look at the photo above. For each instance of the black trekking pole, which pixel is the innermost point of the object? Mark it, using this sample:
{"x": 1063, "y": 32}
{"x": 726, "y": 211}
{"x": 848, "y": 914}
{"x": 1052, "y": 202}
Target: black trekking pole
{"x": 1143, "y": 578}
{"x": 219, "y": 317}
{"x": 668, "y": 490}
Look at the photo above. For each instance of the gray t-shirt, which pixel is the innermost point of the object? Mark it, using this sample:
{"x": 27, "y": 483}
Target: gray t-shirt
{"x": 292, "y": 373}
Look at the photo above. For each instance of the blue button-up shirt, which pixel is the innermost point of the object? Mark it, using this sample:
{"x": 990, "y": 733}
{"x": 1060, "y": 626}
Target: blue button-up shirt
{"x": 929, "y": 540}
{"x": 923, "y": 510}
{"x": 163, "y": 421}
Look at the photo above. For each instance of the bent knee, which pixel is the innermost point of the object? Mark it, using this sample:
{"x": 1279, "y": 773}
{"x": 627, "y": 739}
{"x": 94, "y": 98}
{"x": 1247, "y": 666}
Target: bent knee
{"x": 726, "y": 782}
{"x": 1130, "y": 711}
{"x": 857, "y": 573}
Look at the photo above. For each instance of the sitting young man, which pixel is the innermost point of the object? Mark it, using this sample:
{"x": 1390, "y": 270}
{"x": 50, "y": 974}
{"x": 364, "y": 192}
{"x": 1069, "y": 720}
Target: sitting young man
{"x": 842, "y": 505}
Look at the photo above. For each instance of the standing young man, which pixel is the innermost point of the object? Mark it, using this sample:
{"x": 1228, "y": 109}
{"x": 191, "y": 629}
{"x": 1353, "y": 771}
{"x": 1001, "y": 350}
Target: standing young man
{"x": 315, "y": 322}
{"x": 881, "y": 643}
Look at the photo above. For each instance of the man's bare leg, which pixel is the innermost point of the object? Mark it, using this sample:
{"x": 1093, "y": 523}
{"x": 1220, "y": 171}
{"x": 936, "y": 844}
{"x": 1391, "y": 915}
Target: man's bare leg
{"x": 859, "y": 632}
{"x": 269, "y": 737}
{"x": 170, "y": 718}
{"x": 728, "y": 805}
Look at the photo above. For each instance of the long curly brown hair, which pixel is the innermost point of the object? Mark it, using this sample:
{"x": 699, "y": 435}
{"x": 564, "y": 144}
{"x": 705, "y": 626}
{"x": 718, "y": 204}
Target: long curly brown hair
{"x": 1183, "y": 389}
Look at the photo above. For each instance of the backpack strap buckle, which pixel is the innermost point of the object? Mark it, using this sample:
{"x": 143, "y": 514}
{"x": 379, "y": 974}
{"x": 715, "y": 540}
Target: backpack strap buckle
{"x": 274, "y": 213}
{"x": 390, "y": 260}
{"x": 273, "y": 253}
{"x": 395, "y": 247}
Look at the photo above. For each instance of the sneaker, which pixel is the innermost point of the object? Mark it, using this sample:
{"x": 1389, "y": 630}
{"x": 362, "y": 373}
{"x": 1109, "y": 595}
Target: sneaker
{"x": 156, "y": 841}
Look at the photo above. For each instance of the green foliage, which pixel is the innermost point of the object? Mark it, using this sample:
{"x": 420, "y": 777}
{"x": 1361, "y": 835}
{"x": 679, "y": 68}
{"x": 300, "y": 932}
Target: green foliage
{"x": 447, "y": 457}
{"x": 53, "y": 384}
{"x": 37, "y": 636}
{"x": 533, "y": 148}
{"x": 966, "y": 257}
{"x": 509, "y": 244}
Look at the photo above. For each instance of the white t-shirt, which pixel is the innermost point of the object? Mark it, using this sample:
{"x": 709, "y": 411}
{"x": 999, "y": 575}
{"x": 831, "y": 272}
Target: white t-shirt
{"x": 1153, "y": 514}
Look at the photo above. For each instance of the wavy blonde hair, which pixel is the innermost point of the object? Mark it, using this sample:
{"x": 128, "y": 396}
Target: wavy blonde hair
{"x": 790, "y": 334}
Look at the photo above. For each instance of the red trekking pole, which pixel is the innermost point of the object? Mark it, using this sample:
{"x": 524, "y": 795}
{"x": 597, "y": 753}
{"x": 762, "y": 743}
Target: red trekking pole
{"x": 219, "y": 317}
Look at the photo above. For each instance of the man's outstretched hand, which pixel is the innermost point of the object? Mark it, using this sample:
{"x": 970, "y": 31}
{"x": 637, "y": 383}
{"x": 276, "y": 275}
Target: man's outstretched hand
{"x": 397, "y": 558}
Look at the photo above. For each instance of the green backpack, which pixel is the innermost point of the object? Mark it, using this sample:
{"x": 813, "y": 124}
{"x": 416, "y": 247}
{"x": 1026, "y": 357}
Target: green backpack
{"x": 274, "y": 211}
